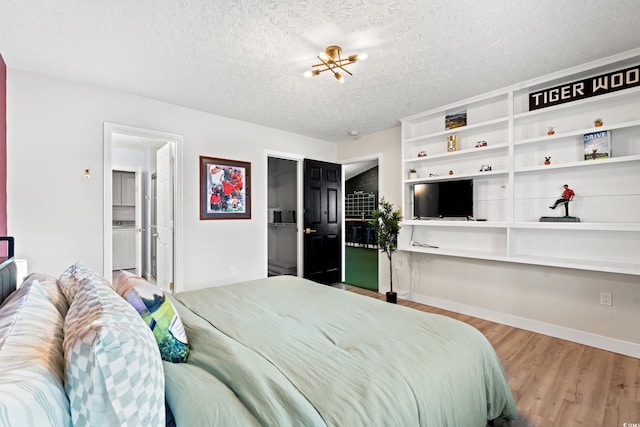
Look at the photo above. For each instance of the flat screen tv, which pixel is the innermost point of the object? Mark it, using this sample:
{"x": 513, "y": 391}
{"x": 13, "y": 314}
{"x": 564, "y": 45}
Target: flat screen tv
{"x": 444, "y": 199}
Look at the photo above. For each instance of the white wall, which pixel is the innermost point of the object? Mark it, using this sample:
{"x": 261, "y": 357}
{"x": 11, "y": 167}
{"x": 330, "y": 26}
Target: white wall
{"x": 55, "y": 132}
{"x": 387, "y": 144}
{"x": 555, "y": 301}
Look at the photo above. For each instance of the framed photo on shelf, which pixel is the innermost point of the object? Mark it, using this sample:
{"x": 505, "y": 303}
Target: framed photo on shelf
{"x": 597, "y": 145}
{"x": 452, "y": 143}
{"x": 455, "y": 120}
{"x": 225, "y": 189}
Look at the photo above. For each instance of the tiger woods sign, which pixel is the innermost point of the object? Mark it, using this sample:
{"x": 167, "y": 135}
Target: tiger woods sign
{"x": 592, "y": 86}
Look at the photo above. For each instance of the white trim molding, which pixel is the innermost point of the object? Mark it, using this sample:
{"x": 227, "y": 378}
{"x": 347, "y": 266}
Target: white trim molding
{"x": 586, "y": 338}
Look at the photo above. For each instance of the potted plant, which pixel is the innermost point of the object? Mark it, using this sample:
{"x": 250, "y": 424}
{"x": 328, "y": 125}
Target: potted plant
{"x": 550, "y": 130}
{"x": 598, "y": 122}
{"x": 413, "y": 174}
{"x": 547, "y": 160}
{"x": 386, "y": 222}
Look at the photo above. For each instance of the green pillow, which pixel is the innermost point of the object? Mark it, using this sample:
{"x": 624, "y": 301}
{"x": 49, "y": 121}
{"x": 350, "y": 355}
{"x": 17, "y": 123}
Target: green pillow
{"x": 158, "y": 312}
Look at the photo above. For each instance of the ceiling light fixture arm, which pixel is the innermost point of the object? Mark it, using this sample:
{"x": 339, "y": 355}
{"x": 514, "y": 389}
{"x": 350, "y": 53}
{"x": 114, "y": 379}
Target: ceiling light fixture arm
{"x": 330, "y": 66}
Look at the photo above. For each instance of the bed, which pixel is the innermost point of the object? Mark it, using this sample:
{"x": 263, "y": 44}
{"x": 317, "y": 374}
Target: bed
{"x": 8, "y": 270}
{"x": 282, "y": 351}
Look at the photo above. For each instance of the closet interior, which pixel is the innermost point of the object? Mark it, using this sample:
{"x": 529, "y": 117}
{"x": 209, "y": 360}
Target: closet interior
{"x": 282, "y": 217}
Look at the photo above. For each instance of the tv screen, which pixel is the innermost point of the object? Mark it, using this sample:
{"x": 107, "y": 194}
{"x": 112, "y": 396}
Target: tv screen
{"x": 443, "y": 199}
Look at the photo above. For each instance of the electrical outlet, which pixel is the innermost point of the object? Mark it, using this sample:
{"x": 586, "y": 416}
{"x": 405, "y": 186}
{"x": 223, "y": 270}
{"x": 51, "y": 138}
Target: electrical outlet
{"x": 606, "y": 298}
{"x": 232, "y": 271}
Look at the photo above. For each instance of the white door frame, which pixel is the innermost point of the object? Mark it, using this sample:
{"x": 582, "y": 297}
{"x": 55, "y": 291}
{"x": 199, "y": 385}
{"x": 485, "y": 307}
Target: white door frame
{"x": 298, "y": 158}
{"x": 177, "y": 140}
{"x": 375, "y": 156}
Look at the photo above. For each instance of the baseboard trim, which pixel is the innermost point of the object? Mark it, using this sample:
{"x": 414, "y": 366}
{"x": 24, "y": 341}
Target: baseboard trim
{"x": 586, "y": 338}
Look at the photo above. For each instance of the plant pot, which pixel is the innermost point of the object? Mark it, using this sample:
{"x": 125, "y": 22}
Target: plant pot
{"x": 413, "y": 175}
{"x": 550, "y": 132}
{"x": 547, "y": 163}
{"x": 392, "y": 297}
{"x": 598, "y": 124}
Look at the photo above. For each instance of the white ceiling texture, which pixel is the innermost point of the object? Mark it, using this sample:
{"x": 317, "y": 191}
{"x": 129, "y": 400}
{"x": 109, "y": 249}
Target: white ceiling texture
{"x": 245, "y": 59}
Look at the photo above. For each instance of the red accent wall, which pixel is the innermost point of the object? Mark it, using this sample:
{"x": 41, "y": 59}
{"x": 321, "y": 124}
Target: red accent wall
{"x": 3, "y": 151}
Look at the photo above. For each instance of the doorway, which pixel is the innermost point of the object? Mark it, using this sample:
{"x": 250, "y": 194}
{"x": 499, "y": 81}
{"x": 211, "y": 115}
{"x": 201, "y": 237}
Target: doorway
{"x": 282, "y": 217}
{"x": 287, "y": 178}
{"x": 361, "y": 189}
{"x": 154, "y": 155}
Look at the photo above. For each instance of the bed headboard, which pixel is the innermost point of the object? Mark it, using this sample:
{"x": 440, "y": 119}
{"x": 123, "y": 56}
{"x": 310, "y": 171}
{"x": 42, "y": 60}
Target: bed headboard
{"x": 8, "y": 270}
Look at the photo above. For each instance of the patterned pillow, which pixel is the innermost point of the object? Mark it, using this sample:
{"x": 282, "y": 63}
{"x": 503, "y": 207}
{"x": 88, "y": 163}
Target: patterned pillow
{"x": 31, "y": 362}
{"x": 158, "y": 312}
{"x": 114, "y": 372}
{"x": 73, "y": 276}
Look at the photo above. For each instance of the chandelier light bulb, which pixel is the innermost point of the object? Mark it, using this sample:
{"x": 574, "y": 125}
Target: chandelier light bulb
{"x": 339, "y": 77}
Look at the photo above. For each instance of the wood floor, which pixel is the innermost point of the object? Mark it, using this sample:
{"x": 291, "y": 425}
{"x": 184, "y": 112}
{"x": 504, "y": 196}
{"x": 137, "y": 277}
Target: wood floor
{"x": 556, "y": 382}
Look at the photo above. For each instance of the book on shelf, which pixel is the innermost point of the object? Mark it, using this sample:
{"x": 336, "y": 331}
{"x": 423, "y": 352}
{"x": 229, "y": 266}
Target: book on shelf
{"x": 597, "y": 145}
{"x": 455, "y": 120}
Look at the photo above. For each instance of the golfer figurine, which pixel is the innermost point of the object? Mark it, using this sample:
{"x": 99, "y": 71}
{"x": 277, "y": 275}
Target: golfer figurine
{"x": 567, "y": 196}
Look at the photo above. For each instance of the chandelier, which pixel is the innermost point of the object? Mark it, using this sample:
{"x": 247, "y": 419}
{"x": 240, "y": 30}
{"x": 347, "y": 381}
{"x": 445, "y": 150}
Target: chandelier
{"x": 330, "y": 60}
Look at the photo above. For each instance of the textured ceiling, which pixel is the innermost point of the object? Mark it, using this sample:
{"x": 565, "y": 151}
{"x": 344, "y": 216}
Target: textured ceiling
{"x": 244, "y": 59}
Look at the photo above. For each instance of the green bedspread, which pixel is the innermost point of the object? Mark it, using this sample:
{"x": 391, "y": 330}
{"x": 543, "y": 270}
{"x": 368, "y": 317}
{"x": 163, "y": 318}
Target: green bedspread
{"x": 284, "y": 351}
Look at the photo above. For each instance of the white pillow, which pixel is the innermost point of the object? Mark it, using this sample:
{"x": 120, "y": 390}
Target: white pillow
{"x": 31, "y": 363}
{"x": 50, "y": 286}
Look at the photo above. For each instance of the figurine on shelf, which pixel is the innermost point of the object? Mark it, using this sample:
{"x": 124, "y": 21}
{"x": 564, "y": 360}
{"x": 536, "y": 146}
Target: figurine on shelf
{"x": 485, "y": 168}
{"x": 547, "y": 160}
{"x": 450, "y": 172}
{"x": 481, "y": 144}
{"x": 567, "y": 196}
{"x": 422, "y": 154}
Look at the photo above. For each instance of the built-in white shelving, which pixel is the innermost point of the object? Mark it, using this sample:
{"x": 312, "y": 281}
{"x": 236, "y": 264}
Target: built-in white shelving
{"x": 457, "y": 176}
{"x": 578, "y": 132}
{"x": 454, "y": 154}
{"x": 466, "y": 129}
{"x": 517, "y": 191}
{"x": 581, "y": 164}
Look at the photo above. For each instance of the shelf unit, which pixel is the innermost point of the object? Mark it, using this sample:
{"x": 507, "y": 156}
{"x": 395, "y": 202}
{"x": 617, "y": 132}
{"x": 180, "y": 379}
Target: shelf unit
{"x": 517, "y": 191}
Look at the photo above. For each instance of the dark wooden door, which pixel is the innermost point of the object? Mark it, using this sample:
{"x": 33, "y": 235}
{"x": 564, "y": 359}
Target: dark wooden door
{"x": 322, "y": 221}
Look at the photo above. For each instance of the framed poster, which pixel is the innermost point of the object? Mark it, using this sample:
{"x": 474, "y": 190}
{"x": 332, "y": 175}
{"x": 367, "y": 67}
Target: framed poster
{"x": 597, "y": 145}
{"x": 225, "y": 189}
{"x": 455, "y": 120}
